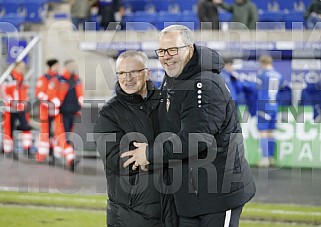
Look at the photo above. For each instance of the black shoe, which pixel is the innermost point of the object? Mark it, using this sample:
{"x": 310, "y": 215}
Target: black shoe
{"x": 12, "y": 155}
{"x": 72, "y": 165}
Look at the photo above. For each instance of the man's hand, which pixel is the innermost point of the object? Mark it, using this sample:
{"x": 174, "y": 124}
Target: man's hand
{"x": 138, "y": 156}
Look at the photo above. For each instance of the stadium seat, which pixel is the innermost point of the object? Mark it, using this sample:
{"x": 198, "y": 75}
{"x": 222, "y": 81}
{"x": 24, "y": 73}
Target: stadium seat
{"x": 135, "y": 5}
{"x": 139, "y": 21}
{"x": 166, "y": 18}
{"x": 307, "y": 3}
{"x": 184, "y": 5}
{"x": 267, "y": 16}
{"x": 294, "y": 16}
{"x": 15, "y": 22}
{"x": 13, "y": 7}
{"x": 286, "y": 5}
{"x": 161, "y": 5}
{"x": 261, "y": 4}
{"x": 271, "y": 20}
{"x": 224, "y": 16}
{"x": 35, "y": 10}
{"x": 190, "y": 20}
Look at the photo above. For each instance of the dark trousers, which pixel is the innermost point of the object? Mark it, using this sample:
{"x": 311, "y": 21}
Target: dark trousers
{"x": 68, "y": 118}
{"x": 228, "y": 218}
{"x": 23, "y": 123}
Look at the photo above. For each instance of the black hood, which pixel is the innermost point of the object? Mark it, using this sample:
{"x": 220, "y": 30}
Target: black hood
{"x": 203, "y": 59}
{"x": 134, "y": 98}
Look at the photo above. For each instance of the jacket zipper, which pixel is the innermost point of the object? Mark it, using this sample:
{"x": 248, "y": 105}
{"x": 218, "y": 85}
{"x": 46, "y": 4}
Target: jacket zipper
{"x": 192, "y": 182}
{"x": 132, "y": 191}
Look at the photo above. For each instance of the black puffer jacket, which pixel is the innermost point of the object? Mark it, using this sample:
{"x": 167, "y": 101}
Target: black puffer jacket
{"x": 199, "y": 119}
{"x": 134, "y": 197}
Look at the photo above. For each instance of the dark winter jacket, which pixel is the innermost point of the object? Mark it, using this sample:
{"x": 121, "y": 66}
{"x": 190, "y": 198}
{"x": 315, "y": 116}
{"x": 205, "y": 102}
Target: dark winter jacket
{"x": 315, "y": 7}
{"x": 207, "y": 12}
{"x": 202, "y": 139}
{"x": 134, "y": 197}
{"x": 245, "y": 13}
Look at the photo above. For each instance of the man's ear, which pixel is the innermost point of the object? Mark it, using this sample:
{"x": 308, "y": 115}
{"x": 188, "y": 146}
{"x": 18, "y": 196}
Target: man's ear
{"x": 147, "y": 75}
{"x": 191, "y": 51}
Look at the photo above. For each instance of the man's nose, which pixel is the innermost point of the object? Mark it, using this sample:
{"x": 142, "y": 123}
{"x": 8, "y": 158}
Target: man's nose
{"x": 167, "y": 55}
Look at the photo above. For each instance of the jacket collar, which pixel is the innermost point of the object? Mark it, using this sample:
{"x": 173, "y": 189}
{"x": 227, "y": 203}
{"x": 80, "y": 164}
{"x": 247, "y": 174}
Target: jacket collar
{"x": 17, "y": 75}
{"x": 135, "y": 98}
{"x": 51, "y": 73}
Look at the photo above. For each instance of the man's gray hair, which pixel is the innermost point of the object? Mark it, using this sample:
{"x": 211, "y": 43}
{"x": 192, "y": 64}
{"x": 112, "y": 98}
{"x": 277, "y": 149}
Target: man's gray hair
{"x": 185, "y": 32}
{"x": 133, "y": 53}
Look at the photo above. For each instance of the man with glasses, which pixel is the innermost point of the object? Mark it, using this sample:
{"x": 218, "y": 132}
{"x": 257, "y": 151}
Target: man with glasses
{"x": 135, "y": 198}
{"x": 202, "y": 140}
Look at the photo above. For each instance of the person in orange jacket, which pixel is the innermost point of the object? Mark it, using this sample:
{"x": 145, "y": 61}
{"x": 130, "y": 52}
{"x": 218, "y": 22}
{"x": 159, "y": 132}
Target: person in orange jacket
{"x": 46, "y": 111}
{"x": 68, "y": 99}
{"x": 15, "y": 96}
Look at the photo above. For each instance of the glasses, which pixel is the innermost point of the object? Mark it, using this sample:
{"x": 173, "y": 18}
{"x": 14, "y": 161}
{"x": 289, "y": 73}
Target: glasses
{"x": 133, "y": 73}
{"x": 171, "y": 51}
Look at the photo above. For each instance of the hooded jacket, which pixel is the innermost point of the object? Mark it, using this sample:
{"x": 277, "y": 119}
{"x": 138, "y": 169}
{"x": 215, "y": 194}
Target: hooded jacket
{"x": 245, "y": 13}
{"x": 202, "y": 139}
{"x": 134, "y": 197}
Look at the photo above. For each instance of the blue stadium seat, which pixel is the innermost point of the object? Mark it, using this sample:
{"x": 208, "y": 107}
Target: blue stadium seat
{"x": 190, "y": 20}
{"x": 161, "y": 5}
{"x": 139, "y": 26}
{"x": 184, "y": 5}
{"x": 166, "y": 18}
{"x": 267, "y": 16}
{"x": 286, "y": 5}
{"x": 35, "y": 10}
{"x": 271, "y": 20}
{"x": 135, "y": 5}
{"x": 11, "y": 23}
{"x": 307, "y": 3}
{"x": 294, "y": 16}
{"x": 224, "y": 16}
{"x": 13, "y": 7}
{"x": 139, "y": 21}
{"x": 261, "y": 4}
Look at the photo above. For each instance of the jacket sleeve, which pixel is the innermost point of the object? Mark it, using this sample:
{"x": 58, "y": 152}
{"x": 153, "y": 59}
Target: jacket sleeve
{"x": 53, "y": 97}
{"x": 41, "y": 93}
{"x": 108, "y": 135}
{"x": 253, "y": 17}
{"x": 203, "y": 115}
{"x": 308, "y": 11}
{"x": 202, "y": 13}
{"x": 80, "y": 92}
{"x": 227, "y": 7}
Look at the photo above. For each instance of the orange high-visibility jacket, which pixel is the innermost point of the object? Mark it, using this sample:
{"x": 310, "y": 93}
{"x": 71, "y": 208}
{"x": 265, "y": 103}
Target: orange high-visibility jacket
{"x": 42, "y": 85}
{"x": 43, "y": 92}
{"x": 59, "y": 87}
{"x": 15, "y": 92}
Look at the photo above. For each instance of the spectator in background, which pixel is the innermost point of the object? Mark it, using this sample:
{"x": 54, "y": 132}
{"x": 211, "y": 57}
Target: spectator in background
{"x": 80, "y": 12}
{"x": 313, "y": 15}
{"x": 207, "y": 12}
{"x": 244, "y": 12}
{"x": 269, "y": 82}
{"x": 107, "y": 9}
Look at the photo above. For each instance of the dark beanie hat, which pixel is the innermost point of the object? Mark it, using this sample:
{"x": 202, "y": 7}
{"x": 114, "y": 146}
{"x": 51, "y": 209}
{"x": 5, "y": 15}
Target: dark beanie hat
{"x": 51, "y": 62}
